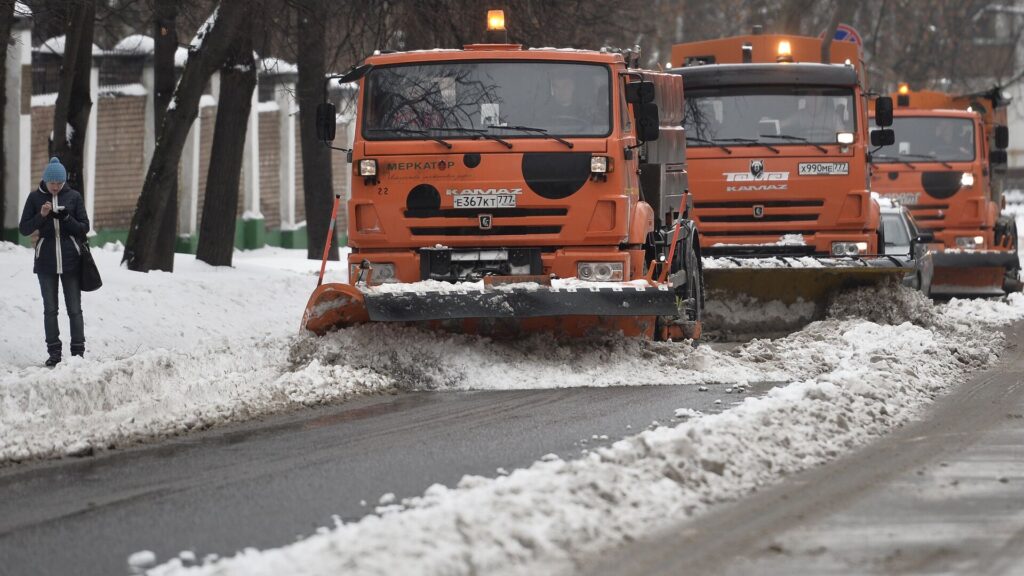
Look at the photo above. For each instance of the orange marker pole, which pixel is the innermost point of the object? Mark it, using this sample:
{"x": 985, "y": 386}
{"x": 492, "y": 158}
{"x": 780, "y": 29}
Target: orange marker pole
{"x": 330, "y": 236}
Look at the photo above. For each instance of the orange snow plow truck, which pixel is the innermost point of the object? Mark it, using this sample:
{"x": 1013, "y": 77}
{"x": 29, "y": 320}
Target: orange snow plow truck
{"x": 777, "y": 156}
{"x": 945, "y": 167}
{"x": 498, "y": 190}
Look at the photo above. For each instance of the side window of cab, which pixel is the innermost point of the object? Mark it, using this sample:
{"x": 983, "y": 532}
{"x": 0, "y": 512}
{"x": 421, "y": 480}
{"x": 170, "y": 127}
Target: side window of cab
{"x": 627, "y": 122}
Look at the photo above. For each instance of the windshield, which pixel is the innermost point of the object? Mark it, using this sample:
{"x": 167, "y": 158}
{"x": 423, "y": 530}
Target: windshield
{"x": 779, "y": 116}
{"x": 920, "y": 139}
{"x": 897, "y": 238}
{"x": 456, "y": 99}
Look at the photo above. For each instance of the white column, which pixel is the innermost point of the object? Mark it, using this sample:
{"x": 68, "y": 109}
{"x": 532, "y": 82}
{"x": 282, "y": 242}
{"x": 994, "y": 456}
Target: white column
{"x": 251, "y": 160}
{"x": 188, "y": 184}
{"x": 89, "y": 153}
{"x": 149, "y": 141}
{"x": 17, "y": 118}
{"x": 286, "y": 111}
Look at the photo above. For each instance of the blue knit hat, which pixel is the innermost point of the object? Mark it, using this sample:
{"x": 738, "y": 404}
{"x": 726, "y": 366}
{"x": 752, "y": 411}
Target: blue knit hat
{"x": 55, "y": 171}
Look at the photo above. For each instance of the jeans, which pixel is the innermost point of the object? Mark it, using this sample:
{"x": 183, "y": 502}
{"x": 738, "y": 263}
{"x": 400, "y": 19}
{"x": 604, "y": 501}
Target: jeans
{"x": 73, "y": 301}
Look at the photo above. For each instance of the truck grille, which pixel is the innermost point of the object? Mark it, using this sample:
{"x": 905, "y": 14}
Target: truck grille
{"x": 742, "y": 212}
{"x": 477, "y": 231}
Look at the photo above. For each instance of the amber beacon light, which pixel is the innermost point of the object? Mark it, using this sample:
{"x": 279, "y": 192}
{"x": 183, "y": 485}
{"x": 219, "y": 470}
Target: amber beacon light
{"x": 495, "y": 20}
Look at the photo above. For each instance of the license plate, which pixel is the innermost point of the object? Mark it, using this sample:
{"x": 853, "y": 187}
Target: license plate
{"x": 489, "y": 201}
{"x": 823, "y": 168}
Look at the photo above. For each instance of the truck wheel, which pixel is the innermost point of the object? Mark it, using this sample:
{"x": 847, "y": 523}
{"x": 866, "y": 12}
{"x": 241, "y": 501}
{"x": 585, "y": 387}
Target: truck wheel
{"x": 694, "y": 297}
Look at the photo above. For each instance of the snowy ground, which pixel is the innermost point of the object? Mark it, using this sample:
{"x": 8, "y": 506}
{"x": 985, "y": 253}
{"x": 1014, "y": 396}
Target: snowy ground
{"x": 164, "y": 352}
{"x": 203, "y": 346}
{"x": 876, "y": 365}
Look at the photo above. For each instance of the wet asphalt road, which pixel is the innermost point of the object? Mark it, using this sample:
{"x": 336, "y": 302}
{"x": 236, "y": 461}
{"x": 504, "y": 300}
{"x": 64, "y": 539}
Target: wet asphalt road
{"x": 266, "y": 483}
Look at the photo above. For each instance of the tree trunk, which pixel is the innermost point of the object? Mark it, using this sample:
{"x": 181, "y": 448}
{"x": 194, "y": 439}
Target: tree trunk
{"x": 165, "y": 38}
{"x": 318, "y": 187}
{"x": 73, "y": 101}
{"x": 210, "y": 48}
{"x": 6, "y": 23}
{"x": 237, "y": 81}
{"x": 841, "y": 12}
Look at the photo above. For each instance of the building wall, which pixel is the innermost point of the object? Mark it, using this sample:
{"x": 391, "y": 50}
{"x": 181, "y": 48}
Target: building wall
{"x": 120, "y": 160}
{"x": 42, "y": 127}
{"x": 270, "y": 179}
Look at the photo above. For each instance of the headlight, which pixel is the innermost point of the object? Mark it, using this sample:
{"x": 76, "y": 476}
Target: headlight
{"x": 383, "y": 272}
{"x": 849, "y": 248}
{"x": 600, "y": 164}
{"x": 967, "y": 180}
{"x": 970, "y": 242}
{"x": 844, "y": 138}
{"x": 368, "y": 167}
{"x": 599, "y": 271}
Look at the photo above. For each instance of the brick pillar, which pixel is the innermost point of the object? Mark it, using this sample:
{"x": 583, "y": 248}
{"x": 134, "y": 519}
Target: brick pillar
{"x": 17, "y": 118}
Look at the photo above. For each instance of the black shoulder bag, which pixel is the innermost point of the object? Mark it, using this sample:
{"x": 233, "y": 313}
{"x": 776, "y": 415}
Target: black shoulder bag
{"x": 90, "y": 274}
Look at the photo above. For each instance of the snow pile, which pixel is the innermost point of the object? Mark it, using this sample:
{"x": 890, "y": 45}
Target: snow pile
{"x": 860, "y": 380}
{"x": 165, "y": 353}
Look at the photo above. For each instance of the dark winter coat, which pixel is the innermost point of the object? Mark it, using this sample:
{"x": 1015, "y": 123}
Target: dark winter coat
{"x": 69, "y": 225}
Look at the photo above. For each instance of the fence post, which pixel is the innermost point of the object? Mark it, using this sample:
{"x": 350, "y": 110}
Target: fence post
{"x": 253, "y": 226}
{"x": 17, "y": 119}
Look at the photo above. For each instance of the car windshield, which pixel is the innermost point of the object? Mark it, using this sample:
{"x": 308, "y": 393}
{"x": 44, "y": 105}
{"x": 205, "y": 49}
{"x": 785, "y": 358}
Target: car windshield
{"x": 779, "y": 116}
{"x": 508, "y": 99}
{"x": 924, "y": 139}
{"x": 897, "y": 238}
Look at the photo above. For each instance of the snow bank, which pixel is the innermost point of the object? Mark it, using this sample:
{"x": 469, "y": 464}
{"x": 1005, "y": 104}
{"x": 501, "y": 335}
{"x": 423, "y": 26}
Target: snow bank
{"x": 165, "y": 353}
{"x": 850, "y": 381}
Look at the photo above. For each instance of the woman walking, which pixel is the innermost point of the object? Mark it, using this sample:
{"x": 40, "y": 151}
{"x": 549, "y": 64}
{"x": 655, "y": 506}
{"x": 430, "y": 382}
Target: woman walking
{"x": 57, "y": 213}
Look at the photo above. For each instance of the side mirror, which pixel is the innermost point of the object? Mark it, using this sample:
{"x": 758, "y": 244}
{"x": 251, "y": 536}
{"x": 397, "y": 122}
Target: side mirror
{"x": 326, "y": 122}
{"x": 997, "y": 157}
{"x": 1002, "y": 135}
{"x": 883, "y": 137}
{"x": 640, "y": 92}
{"x": 883, "y": 111}
{"x": 648, "y": 124}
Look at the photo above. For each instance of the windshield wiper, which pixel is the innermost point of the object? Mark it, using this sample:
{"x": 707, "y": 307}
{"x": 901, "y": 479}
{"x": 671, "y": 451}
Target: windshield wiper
{"x": 894, "y": 159}
{"x": 478, "y": 132}
{"x": 750, "y": 141}
{"x": 706, "y": 141}
{"x": 536, "y": 130}
{"x": 423, "y": 133}
{"x": 796, "y": 139}
{"x": 930, "y": 157}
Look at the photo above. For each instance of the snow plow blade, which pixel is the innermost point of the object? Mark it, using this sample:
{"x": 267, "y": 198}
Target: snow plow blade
{"x": 750, "y": 297}
{"x": 498, "y": 311}
{"x": 974, "y": 273}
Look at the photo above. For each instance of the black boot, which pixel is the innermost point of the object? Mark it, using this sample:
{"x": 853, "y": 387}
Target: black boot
{"x": 78, "y": 351}
{"x": 53, "y": 360}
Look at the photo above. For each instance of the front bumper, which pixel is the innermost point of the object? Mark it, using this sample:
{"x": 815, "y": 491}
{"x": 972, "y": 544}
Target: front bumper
{"x": 975, "y": 259}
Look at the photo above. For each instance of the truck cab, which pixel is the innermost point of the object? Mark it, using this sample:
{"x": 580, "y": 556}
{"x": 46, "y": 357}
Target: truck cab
{"x": 511, "y": 184}
{"x": 940, "y": 167}
{"x": 777, "y": 146}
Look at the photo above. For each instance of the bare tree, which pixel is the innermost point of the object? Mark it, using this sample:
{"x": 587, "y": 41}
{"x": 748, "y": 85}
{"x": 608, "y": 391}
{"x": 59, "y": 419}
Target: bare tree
{"x": 208, "y": 50}
{"x": 74, "y": 104}
{"x": 165, "y": 44}
{"x": 316, "y": 158}
{"x": 237, "y": 81}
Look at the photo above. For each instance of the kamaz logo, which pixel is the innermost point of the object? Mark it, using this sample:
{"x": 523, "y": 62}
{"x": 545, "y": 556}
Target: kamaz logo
{"x": 750, "y": 177}
{"x": 482, "y": 191}
{"x": 756, "y": 168}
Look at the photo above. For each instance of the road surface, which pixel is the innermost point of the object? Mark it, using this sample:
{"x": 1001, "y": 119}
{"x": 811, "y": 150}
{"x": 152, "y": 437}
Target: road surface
{"x": 266, "y": 483}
